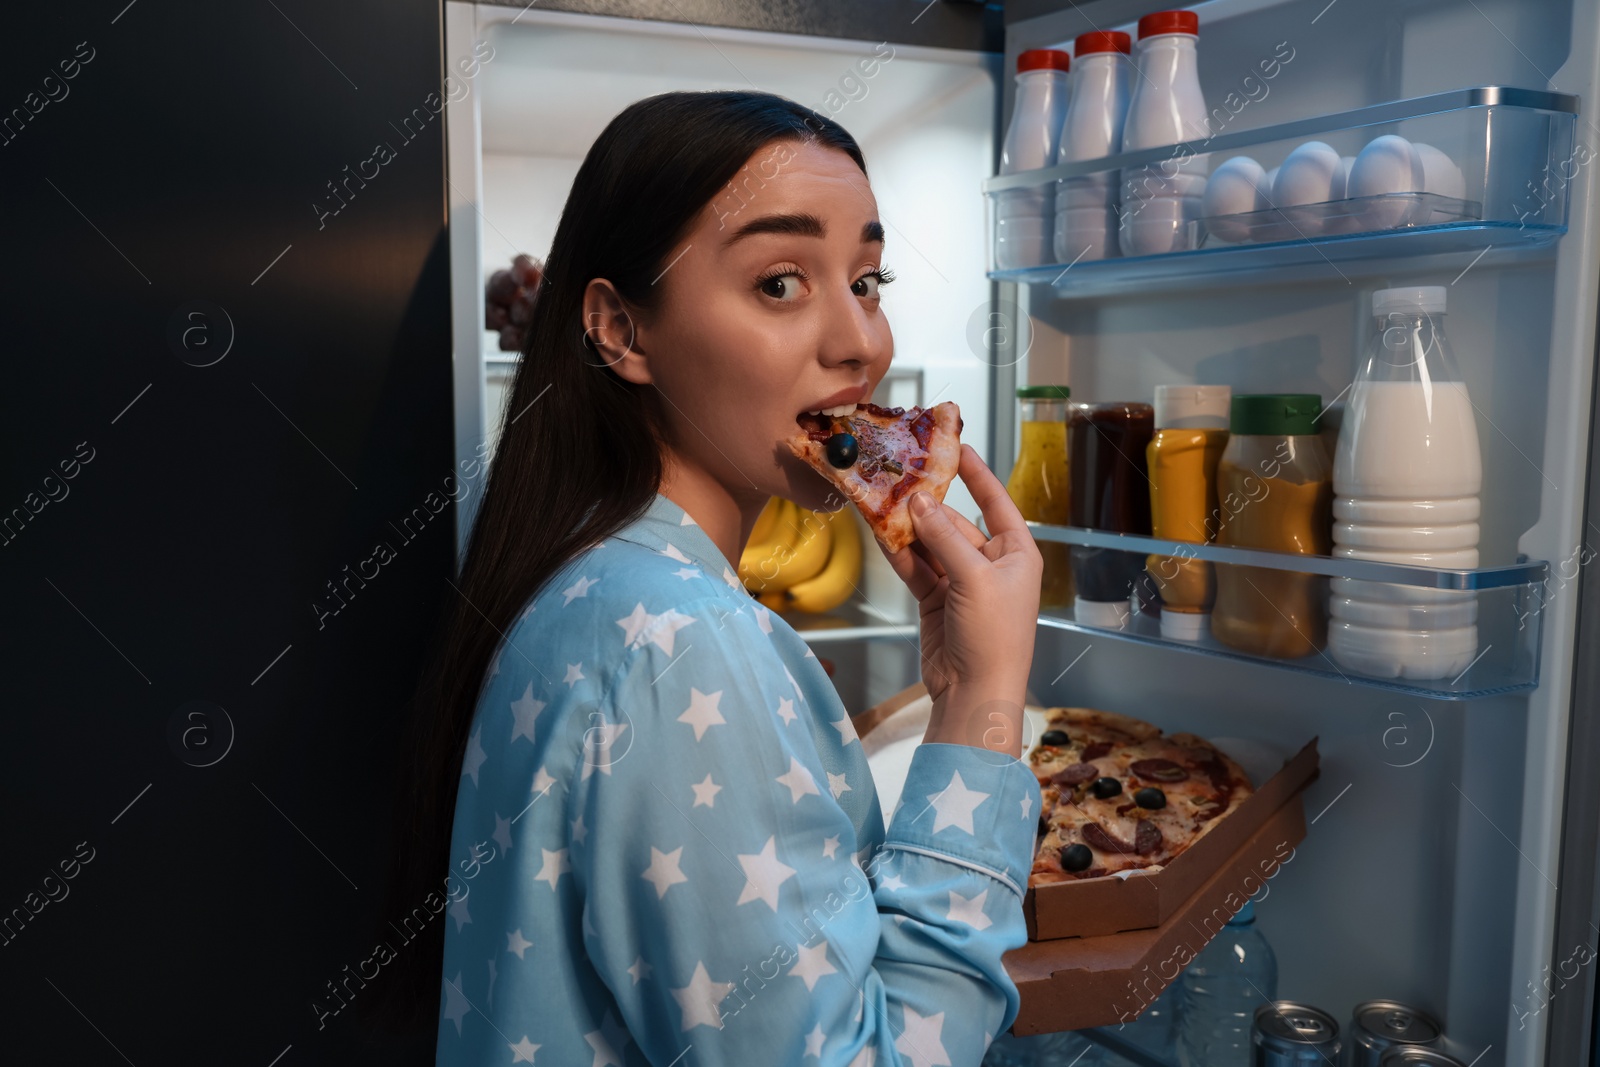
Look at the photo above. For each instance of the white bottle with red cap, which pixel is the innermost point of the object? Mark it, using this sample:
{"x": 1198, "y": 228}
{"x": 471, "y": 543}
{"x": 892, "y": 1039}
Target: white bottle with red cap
{"x": 1159, "y": 201}
{"x": 1086, "y": 217}
{"x": 1025, "y": 218}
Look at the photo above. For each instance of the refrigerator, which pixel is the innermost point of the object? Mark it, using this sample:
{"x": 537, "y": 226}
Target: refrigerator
{"x": 1450, "y": 860}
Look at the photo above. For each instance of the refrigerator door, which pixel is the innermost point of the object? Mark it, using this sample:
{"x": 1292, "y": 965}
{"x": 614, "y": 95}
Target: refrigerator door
{"x": 227, "y": 375}
{"x": 1448, "y": 866}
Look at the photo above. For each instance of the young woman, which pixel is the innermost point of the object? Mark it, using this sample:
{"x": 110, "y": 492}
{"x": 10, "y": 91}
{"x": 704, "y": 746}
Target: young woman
{"x": 666, "y": 845}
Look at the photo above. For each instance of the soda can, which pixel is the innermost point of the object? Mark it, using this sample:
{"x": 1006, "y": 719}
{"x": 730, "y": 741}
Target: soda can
{"x": 1418, "y": 1056}
{"x": 1379, "y": 1025}
{"x": 1286, "y": 1034}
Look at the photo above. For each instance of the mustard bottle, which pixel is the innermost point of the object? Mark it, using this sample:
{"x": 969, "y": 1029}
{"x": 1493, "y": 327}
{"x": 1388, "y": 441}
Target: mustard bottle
{"x": 1191, "y": 433}
{"x": 1038, "y": 482}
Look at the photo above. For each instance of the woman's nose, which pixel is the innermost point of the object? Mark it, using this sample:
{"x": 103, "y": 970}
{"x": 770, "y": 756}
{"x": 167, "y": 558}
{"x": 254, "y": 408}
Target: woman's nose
{"x": 853, "y": 335}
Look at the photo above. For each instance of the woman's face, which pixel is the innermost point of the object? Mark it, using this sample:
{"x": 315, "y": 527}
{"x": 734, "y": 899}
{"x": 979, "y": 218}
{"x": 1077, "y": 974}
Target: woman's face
{"x": 770, "y": 309}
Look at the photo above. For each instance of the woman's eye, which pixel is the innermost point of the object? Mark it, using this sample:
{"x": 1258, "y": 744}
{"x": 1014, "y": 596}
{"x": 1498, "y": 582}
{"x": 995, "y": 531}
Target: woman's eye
{"x": 782, "y": 287}
{"x": 866, "y": 286}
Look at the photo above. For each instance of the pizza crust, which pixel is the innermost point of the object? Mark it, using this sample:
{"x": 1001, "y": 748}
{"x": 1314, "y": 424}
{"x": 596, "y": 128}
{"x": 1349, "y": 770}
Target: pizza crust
{"x": 883, "y": 495}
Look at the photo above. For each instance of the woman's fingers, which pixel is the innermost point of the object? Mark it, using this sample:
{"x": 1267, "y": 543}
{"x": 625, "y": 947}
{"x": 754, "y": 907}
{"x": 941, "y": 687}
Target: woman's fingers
{"x": 944, "y": 540}
{"x": 913, "y": 569}
{"x": 999, "y": 510}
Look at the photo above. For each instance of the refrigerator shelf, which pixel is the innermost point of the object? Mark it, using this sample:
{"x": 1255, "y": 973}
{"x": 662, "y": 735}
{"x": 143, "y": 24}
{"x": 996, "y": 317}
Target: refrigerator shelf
{"x": 1513, "y": 149}
{"x": 1509, "y": 615}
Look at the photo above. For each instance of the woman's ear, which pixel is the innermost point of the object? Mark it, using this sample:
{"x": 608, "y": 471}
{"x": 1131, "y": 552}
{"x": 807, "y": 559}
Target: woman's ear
{"x": 609, "y": 332}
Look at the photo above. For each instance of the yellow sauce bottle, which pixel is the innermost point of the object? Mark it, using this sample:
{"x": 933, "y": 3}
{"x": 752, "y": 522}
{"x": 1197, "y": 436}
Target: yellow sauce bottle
{"x": 1038, "y": 482}
{"x": 1274, "y": 491}
{"x": 1191, "y": 433}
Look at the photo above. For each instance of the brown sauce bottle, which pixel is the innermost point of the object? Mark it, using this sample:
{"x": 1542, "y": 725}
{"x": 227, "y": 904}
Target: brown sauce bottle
{"x": 1109, "y": 486}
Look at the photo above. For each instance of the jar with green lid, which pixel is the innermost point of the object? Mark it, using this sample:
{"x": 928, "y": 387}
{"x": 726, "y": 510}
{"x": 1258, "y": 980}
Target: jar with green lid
{"x": 1274, "y": 491}
{"x": 1038, "y": 482}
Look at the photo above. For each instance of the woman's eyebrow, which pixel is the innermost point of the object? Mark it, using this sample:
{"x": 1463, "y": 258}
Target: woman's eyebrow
{"x": 803, "y": 224}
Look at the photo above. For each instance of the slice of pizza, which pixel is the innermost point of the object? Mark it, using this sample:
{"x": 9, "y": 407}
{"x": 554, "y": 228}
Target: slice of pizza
{"x": 879, "y": 456}
{"x": 1120, "y": 795}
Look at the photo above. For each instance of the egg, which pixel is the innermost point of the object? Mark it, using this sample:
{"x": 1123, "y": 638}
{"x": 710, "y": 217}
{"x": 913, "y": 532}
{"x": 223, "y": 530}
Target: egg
{"x": 1277, "y": 229}
{"x": 1237, "y": 187}
{"x": 1311, "y": 175}
{"x": 1441, "y": 176}
{"x": 1389, "y": 164}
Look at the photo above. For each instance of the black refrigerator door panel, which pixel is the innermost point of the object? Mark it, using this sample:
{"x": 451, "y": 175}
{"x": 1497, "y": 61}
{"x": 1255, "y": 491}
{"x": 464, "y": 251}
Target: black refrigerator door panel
{"x": 225, "y": 514}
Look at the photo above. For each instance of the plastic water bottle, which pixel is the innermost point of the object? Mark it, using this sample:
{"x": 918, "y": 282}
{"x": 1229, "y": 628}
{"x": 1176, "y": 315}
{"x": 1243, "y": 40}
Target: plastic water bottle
{"x": 1219, "y": 993}
{"x": 1086, "y": 206}
{"x": 1025, "y": 218}
{"x": 1406, "y": 478}
{"x": 1160, "y": 200}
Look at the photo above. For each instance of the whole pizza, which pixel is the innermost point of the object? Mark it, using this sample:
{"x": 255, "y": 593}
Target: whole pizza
{"x": 1119, "y": 794}
{"x": 879, "y": 456}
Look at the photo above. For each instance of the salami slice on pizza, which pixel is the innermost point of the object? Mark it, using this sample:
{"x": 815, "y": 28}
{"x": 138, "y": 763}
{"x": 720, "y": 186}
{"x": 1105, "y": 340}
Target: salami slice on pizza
{"x": 879, "y": 456}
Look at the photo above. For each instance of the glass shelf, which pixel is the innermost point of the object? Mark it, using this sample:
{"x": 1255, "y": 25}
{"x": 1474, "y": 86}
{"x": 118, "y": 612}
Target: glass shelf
{"x": 1513, "y": 149}
{"x": 1506, "y": 602}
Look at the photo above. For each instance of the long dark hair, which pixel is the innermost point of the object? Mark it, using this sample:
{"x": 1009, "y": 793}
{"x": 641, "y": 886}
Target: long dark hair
{"x": 579, "y": 454}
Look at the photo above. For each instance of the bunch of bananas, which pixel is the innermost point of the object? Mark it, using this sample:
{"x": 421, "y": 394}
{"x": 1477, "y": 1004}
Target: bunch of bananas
{"x": 802, "y": 560}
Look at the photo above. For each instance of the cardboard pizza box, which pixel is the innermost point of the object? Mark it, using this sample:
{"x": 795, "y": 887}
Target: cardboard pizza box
{"x": 1148, "y": 901}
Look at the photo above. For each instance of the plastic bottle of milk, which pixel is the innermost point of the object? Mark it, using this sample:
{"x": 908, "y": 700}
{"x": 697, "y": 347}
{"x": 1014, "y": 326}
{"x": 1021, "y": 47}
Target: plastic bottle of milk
{"x": 1025, "y": 218}
{"x": 1158, "y": 201}
{"x": 1086, "y": 215}
{"x": 1406, "y": 478}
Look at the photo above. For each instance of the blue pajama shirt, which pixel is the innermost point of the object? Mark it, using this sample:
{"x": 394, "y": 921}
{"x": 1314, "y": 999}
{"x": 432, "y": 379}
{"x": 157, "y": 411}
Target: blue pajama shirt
{"x": 667, "y": 847}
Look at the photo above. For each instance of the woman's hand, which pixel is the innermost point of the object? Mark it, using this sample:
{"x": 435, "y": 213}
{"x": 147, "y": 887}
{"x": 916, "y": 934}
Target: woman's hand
{"x": 978, "y": 602}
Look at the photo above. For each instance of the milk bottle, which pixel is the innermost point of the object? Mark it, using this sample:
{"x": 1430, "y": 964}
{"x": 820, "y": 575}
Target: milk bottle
{"x": 1159, "y": 200}
{"x": 1025, "y": 218}
{"x": 1086, "y": 226}
{"x": 1406, "y": 478}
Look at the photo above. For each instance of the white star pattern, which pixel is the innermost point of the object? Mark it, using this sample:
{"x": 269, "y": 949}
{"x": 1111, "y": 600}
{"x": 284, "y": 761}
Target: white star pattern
{"x": 673, "y": 552}
{"x": 605, "y": 1040}
{"x": 954, "y": 804}
{"x": 922, "y": 1040}
{"x": 661, "y": 630}
{"x": 687, "y": 521}
{"x": 598, "y": 741}
{"x": 579, "y": 831}
{"x": 458, "y": 912}
{"x": 786, "y": 710}
{"x": 502, "y": 832}
{"x": 577, "y": 589}
{"x": 525, "y": 709}
{"x": 969, "y": 910}
{"x": 705, "y": 793}
{"x": 522, "y": 1051}
{"x": 847, "y": 730}
{"x": 1027, "y": 808}
{"x": 814, "y": 1041}
{"x": 764, "y": 620}
{"x": 829, "y": 845}
{"x": 702, "y": 713}
{"x": 518, "y": 944}
{"x": 686, "y": 573}
{"x": 542, "y": 782}
{"x": 837, "y": 784}
{"x": 794, "y": 683}
{"x": 813, "y": 965}
{"x": 663, "y": 872}
{"x": 799, "y": 781}
{"x": 475, "y": 755}
{"x": 574, "y": 674}
{"x": 893, "y": 881}
{"x": 640, "y": 970}
{"x": 699, "y": 999}
{"x": 554, "y": 866}
{"x": 731, "y": 578}
{"x": 455, "y": 1002}
{"x": 764, "y": 873}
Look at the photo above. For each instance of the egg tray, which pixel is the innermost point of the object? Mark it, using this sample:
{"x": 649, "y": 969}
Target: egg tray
{"x": 1337, "y": 218}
